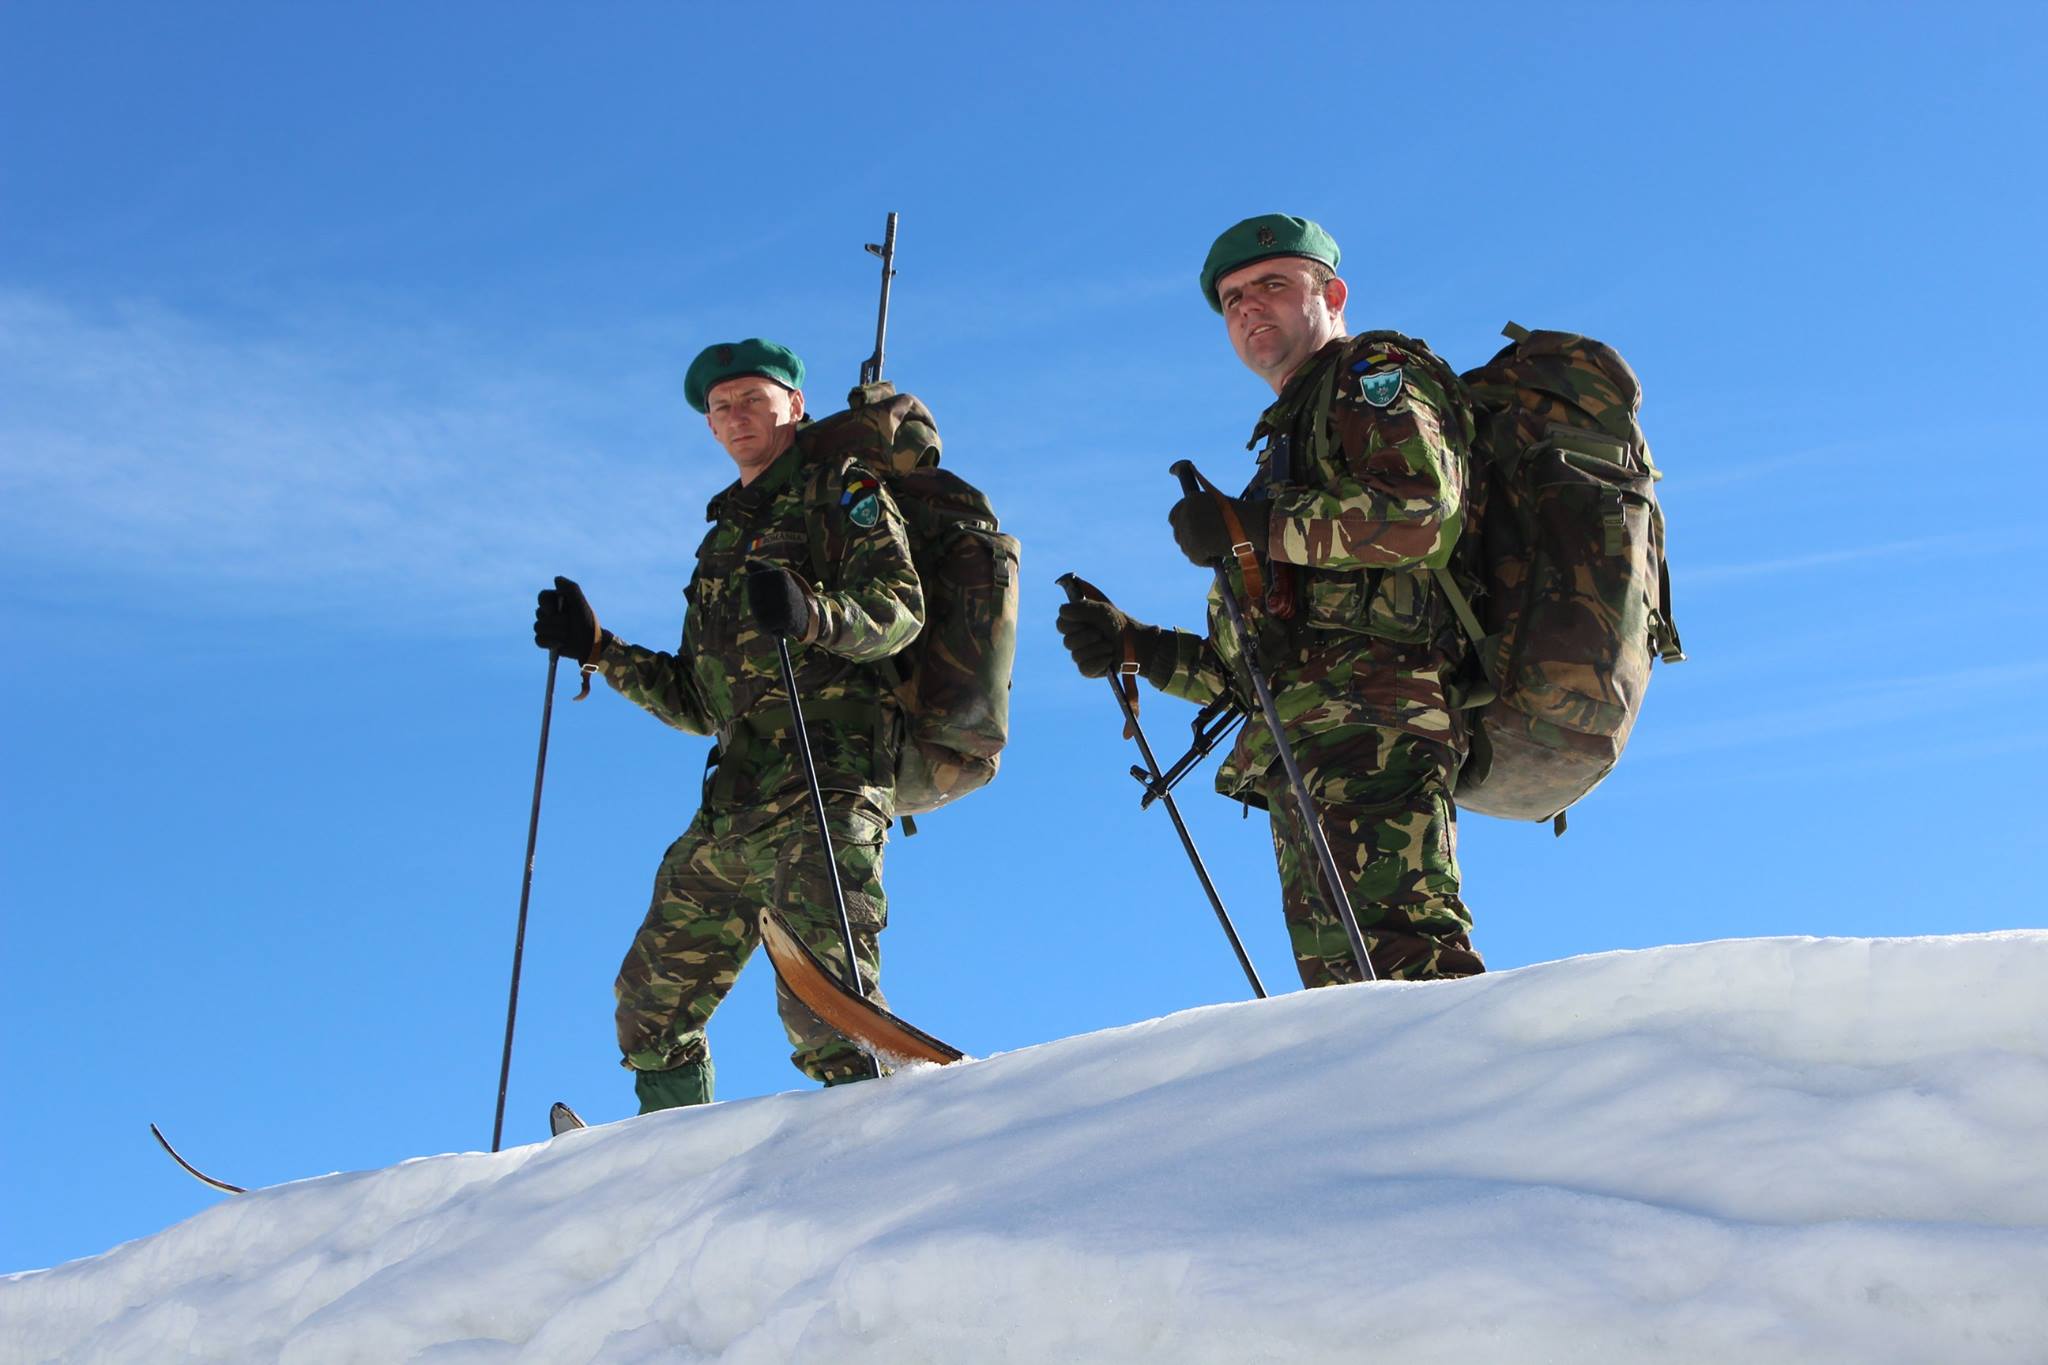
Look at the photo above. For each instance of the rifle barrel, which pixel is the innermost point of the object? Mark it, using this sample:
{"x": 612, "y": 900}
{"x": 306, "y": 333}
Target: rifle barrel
{"x": 871, "y": 368}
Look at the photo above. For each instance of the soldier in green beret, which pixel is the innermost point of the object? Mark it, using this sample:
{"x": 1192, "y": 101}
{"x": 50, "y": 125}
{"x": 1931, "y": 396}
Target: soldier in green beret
{"x": 1358, "y": 493}
{"x": 754, "y": 841}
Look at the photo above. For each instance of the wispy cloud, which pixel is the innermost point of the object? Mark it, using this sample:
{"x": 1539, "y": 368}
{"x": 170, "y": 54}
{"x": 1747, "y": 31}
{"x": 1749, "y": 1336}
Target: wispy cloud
{"x": 1933, "y": 761}
{"x": 1000, "y": 308}
{"x": 1915, "y": 705}
{"x": 1696, "y": 476}
{"x": 436, "y": 474}
{"x": 1978, "y": 542}
{"x": 306, "y": 469}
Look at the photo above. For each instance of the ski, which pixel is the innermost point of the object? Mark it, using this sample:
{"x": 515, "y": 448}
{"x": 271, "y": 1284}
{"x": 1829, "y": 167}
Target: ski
{"x": 561, "y": 1119}
{"x": 191, "y": 1170}
{"x": 876, "y": 1031}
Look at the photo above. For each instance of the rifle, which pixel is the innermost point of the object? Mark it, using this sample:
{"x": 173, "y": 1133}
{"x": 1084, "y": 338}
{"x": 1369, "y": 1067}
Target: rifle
{"x": 1212, "y": 725}
{"x": 871, "y": 368}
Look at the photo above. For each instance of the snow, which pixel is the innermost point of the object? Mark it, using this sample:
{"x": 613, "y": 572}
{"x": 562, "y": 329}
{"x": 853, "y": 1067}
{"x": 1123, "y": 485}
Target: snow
{"x": 1764, "y": 1150}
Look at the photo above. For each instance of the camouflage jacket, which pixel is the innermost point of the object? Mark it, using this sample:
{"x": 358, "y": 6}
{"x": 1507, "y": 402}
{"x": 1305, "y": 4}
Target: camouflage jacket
{"x": 726, "y": 680}
{"x": 1363, "y": 459}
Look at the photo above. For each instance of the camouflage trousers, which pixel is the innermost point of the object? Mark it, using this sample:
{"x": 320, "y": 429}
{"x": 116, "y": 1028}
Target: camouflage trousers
{"x": 1384, "y": 801}
{"x": 705, "y": 921}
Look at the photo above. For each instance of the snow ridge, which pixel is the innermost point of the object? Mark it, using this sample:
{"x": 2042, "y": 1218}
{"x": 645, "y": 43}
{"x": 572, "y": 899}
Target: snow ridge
{"x": 1773, "y": 1149}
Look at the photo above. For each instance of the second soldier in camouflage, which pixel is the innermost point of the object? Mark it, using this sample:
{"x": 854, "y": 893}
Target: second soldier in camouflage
{"x": 753, "y": 842}
{"x": 1359, "y": 493}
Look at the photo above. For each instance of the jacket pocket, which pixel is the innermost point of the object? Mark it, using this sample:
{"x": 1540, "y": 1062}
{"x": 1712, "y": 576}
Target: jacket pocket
{"x": 1390, "y": 604}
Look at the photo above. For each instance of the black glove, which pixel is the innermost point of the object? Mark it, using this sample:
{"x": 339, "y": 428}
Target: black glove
{"x": 1199, "y": 530}
{"x": 780, "y": 602}
{"x": 564, "y": 622}
{"x": 1093, "y": 633}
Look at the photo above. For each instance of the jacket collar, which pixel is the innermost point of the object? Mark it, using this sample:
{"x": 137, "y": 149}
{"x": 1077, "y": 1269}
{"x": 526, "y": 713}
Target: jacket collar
{"x": 746, "y": 499}
{"x": 1299, "y": 391}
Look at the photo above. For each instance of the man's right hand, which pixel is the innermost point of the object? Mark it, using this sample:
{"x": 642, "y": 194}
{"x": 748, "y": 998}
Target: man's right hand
{"x": 1094, "y": 633}
{"x": 564, "y": 622}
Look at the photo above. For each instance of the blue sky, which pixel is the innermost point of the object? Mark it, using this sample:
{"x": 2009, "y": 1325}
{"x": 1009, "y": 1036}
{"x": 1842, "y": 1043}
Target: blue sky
{"x": 328, "y": 334}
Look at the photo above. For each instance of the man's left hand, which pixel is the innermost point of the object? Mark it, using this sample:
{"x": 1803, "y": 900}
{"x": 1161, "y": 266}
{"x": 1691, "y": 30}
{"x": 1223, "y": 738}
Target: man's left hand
{"x": 780, "y": 602}
{"x": 1200, "y": 531}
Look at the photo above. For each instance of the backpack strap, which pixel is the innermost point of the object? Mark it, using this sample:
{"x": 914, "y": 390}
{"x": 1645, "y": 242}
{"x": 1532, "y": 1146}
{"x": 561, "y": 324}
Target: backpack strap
{"x": 1319, "y": 417}
{"x": 825, "y": 548}
{"x": 1664, "y": 630}
{"x": 1468, "y": 622}
{"x": 816, "y": 532}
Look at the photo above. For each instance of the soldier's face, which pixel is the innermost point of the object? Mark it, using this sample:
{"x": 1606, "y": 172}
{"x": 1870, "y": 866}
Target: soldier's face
{"x": 754, "y": 419}
{"x": 1277, "y": 316}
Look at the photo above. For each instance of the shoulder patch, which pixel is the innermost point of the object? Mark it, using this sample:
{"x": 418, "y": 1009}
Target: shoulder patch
{"x": 1379, "y": 388}
{"x": 860, "y": 499}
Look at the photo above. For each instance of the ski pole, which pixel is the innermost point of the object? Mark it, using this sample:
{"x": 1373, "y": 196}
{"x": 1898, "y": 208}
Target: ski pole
{"x": 1192, "y": 483}
{"x": 1080, "y": 590}
{"x": 803, "y": 748}
{"x": 540, "y": 768}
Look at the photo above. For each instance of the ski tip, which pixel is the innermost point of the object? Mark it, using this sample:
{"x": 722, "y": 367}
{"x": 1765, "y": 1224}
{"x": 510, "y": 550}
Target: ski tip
{"x": 867, "y": 1025}
{"x": 562, "y": 1119}
{"x": 223, "y": 1186}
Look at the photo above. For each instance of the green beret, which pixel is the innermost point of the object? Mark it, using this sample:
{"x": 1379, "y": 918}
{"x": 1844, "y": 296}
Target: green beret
{"x": 732, "y": 359}
{"x": 1260, "y": 239}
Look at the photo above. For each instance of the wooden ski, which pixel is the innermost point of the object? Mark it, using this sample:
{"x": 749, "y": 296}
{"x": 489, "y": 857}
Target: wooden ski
{"x": 872, "y": 1028}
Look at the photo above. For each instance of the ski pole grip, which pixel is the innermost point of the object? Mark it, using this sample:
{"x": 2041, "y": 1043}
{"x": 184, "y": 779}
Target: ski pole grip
{"x": 1080, "y": 589}
{"x": 1191, "y": 480}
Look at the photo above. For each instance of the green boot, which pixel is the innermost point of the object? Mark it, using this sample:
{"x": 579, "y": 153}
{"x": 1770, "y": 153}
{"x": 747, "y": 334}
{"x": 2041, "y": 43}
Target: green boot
{"x": 845, "y": 1069}
{"x": 689, "y": 1083}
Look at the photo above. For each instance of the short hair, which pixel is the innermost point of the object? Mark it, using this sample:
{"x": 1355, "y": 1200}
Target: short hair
{"x": 1319, "y": 277}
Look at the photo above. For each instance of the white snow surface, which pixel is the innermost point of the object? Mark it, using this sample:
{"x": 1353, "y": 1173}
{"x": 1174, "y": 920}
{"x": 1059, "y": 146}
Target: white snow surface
{"x": 1755, "y": 1150}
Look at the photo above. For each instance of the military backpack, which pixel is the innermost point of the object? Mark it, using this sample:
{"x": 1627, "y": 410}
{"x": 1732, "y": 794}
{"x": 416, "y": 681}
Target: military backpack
{"x": 953, "y": 681}
{"x": 1560, "y": 581}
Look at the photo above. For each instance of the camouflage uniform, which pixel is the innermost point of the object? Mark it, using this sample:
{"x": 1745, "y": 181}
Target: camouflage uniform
{"x": 1367, "y": 496}
{"x": 753, "y": 841}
